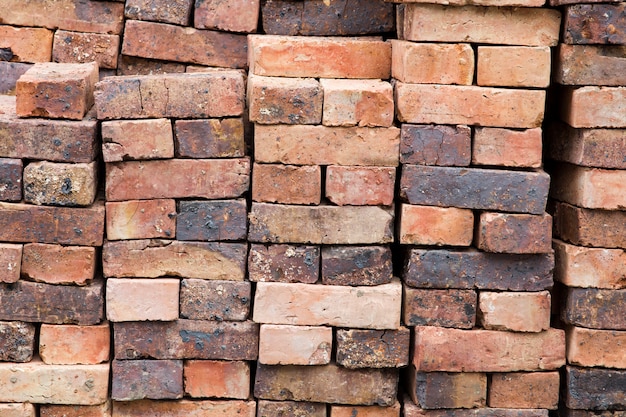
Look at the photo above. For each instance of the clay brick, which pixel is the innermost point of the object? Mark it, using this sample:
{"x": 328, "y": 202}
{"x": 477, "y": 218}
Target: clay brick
{"x": 578, "y": 266}
{"x": 491, "y": 25}
{"x": 11, "y": 179}
{"x": 320, "y": 224}
{"x": 127, "y": 301}
{"x": 584, "y": 227}
{"x": 443, "y": 308}
{"x": 513, "y": 66}
{"x": 360, "y": 186}
{"x": 375, "y": 307}
{"x": 26, "y": 44}
{"x": 39, "y": 383}
{"x": 10, "y": 262}
{"x": 283, "y": 263}
{"x": 435, "y": 145}
{"x": 60, "y": 184}
{"x": 327, "y": 384}
{"x": 184, "y": 408}
{"x": 365, "y": 411}
{"x": 507, "y": 147}
{"x": 124, "y": 140}
{"x": 594, "y": 308}
{"x": 515, "y": 233}
{"x": 434, "y": 390}
{"x": 440, "y": 226}
{"x": 468, "y": 104}
{"x": 412, "y": 410}
{"x": 177, "y": 178}
{"x": 210, "y": 138}
{"x": 589, "y": 187}
{"x": 286, "y": 184}
{"x": 102, "y": 410}
{"x": 211, "y": 220}
{"x": 357, "y": 103}
{"x": 231, "y": 16}
{"x": 177, "y": 12}
{"x": 594, "y": 24}
{"x": 132, "y": 65}
{"x": 455, "y": 350}
{"x": 74, "y": 345}
{"x": 316, "y": 18}
{"x": 18, "y": 341}
{"x": 184, "y": 44}
{"x": 192, "y": 95}
{"x": 356, "y": 265}
{"x": 586, "y": 413}
{"x": 158, "y": 258}
{"x": 595, "y": 348}
{"x": 373, "y": 348}
{"x": 10, "y": 72}
{"x": 141, "y": 219}
{"x": 594, "y": 388}
{"x": 429, "y": 63}
{"x": 514, "y": 311}
{"x": 56, "y": 264}
{"x": 319, "y": 57}
{"x": 54, "y": 304}
{"x": 525, "y": 390}
{"x": 275, "y": 100}
{"x": 295, "y": 345}
{"x": 187, "y": 339}
{"x": 153, "y": 379}
{"x": 19, "y": 410}
{"x": 593, "y": 106}
{"x": 217, "y": 379}
{"x": 290, "y": 408}
{"x": 215, "y": 300}
{"x": 499, "y": 3}
{"x": 77, "y": 47}
{"x": 591, "y": 65}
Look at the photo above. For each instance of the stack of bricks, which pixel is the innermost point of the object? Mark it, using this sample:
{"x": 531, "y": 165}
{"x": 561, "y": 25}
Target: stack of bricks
{"x": 54, "y": 343}
{"x": 588, "y": 149}
{"x": 478, "y": 258}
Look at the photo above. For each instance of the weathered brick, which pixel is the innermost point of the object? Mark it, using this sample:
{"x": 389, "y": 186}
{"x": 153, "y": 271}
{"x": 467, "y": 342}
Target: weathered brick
{"x": 187, "y": 339}
{"x": 592, "y": 106}
{"x": 412, "y": 410}
{"x": 365, "y": 411}
{"x": 323, "y": 145}
{"x": 525, "y": 390}
{"x": 74, "y": 345}
{"x": 319, "y": 57}
{"x": 595, "y": 388}
{"x": 357, "y": 103}
{"x": 507, "y": 147}
{"x": 184, "y": 408}
{"x": 210, "y": 138}
{"x": 597, "y": 413}
{"x": 468, "y": 104}
{"x": 594, "y": 24}
{"x": 218, "y": 220}
{"x": 60, "y": 184}
{"x": 584, "y": 227}
{"x": 320, "y": 224}
{"x": 513, "y": 66}
{"x": 356, "y": 265}
{"x": 290, "y": 408}
{"x": 18, "y": 341}
{"x": 326, "y": 384}
{"x": 177, "y": 12}
{"x": 515, "y": 233}
{"x": 217, "y": 379}
{"x": 231, "y": 16}
{"x": 26, "y": 44}
{"x": 215, "y": 300}
{"x": 373, "y": 348}
{"x": 429, "y": 63}
{"x": 120, "y": 140}
{"x": 434, "y": 390}
{"x": 56, "y": 264}
{"x": 515, "y": 311}
{"x": 281, "y": 344}
{"x": 591, "y": 65}
{"x": 284, "y": 263}
{"x": 152, "y": 379}
{"x": 589, "y": 187}
{"x": 455, "y": 350}
{"x": 443, "y": 308}
{"x": 77, "y": 47}
{"x": 10, "y": 262}
{"x": 595, "y": 348}
{"x": 498, "y": 3}
{"x": 440, "y": 226}
{"x": 101, "y": 410}
{"x": 360, "y": 186}
{"x": 132, "y": 65}
{"x": 11, "y": 179}
{"x": 127, "y": 301}
{"x": 375, "y": 307}
{"x": 19, "y": 410}
{"x": 141, "y": 219}
{"x": 435, "y": 145}
{"x": 594, "y": 308}
{"x": 286, "y": 184}
{"x": 10, "y": 72}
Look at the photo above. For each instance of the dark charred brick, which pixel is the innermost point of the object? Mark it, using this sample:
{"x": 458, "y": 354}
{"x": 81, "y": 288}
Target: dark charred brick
{"x": 176, "y": 12}
{"x": 132, "y": 65}
{"x": 284, "y": 263}
{"x": 17, "y": 343}
{"x": 435, "y": 390}
{"x": 156, "y": 380}
{"x": 215, "y": 300}
{"x": 595, "y": 388}
{"x": 435, "y": 145}
{"x": 373, "y": 348}
{"x": 209, "y": 138}
{"x": 356, "y": 265}
{"x": 11, "y": 179}
{"x": 514, "y": 233}
{"x": 585, "y": 24}
{"x": 211, "y": 220}
{"x": 586, "y": 227}
{"x": 443, "y": 308}
{"x": 595, "y": 308}
{"x": 10, "y": 72}
{"x": 290, "y": 409}
{"x": 591, "y": 65}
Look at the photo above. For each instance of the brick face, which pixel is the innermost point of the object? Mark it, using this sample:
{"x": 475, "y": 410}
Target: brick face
{"x": 210, "y": 138}
{"x": 594, "y": 24}
{"x": 18, "y": 341}
{"x": 217, "y": 379}
{"x": 286, "y": 184}
{"x": 594, "y": 388}
{"x": 232, "y": 16}
{"x": 525, "y": 390}
{"x": 440, "y": 226}
{"x": 435, "y": 145}
{"x": 585, "y": 227}
{"x": 60, "y": 184}
{"x": 592, "y": 347}
{"x": 126, "y": 301}
{"x": 435, "y": 390}
{"x": 513, "y": 66}
{"x": 10, "y": 262}
{"x": 587, "y": 107}
{"x": 184, "y": 408}
{"x": 507, "y": 147}
{"x": 514, "y": 311}
{"x": 360, "y": 186}
{"x": 284, "y": 263}
{"x": 589, "y": 187}
{"x": 595, "y": 308}
{"x": 141, "y": 219}
{"x": 515, "y": 233}
{"x": 215, "y": 300}
{"x": 77, "y": 47}
{"x": 11, "y": 171}
{"x": 356, "y": 265}
{"x": 443, "y": 308}
{"x": 590, "y": 65}
{"x": 295, "y": 345}
{"x": 70, "y": 344}
{"x": 152, "y": 379}
{"x": 177, "y": 12}
{"x": 219, "y": 220}
{"x": 56, "y": 264}
{"x": 120, "y": 144}
{"x": 360, "y": 348}
{"x": 27, "y": 44}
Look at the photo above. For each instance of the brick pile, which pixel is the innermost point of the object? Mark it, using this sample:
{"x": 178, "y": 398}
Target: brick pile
{"x": 588, "y": 147}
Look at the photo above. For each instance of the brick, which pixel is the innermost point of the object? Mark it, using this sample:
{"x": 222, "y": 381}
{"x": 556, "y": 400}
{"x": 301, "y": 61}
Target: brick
{"x": 187, "y": 339}
{"x": 10, "y": 262}
{"x": 375, "y": 307}
{"x": 515, "y": 233}
{"x": 594, "y": 24}
{"x": 471, "y": 105}
{"x": 525, "y": 390}
{"x": 19, "y": 410}
{"x": 101, "y": 410}
{"x": 126, "y": 301}
{"x": 585, "y": 413}
{"x": 210, "y": 138}
{"x": 132, "y": 65}
{"x": 54, "y": 304}
{"x": 217, "y": 379}
{"x": 515, "y": 3}
{"x": 412, "y": 410}
{"x": 434, "y": 390}
{"x": 141, "y": 219}
{"x": 232, "y": 16}
{"x": 327, "y": 384}
{"x": 373, "y": 348}
{"x": 177, "y": 178}
{"x": 589, "y": 106}
{"x": 435, "y": 145}
{"x": 360, "y": 186}
{"x": 507, "y": 147}
{"x": 502, "y": 25}
{"x": 584, "y": 227}
{"x": 178, "y": 12}
{"x": 188, "y": 45}
{"x": 290, "y": 408}
{"x": 11, "y": 72}
{"x": 284, "y": 263}
{"x": 60, "y": 184}
{"x": 595, "y": 348}
{"x": 514, "y": 311}
{"x": 184, "y": 408}
{"x": 320, "y": 224}
{"x": 18, "y": 341}
{"x": 365, "y": 411}
{"x": 594, "y": 388}
{"x": 325, "y": 57}
{"x": 119, "y": 140}
{"x": 152, "y": 379}
{"x": 513, "y": 66}
{"x": 443, "y": 308}
{"x": 323, "y": 145}
{"x": 357, "y": 103}
{"x": 578, "y": 266}
{"x": 356, "y": 265}
{"x": 77, "y": 47}
{"x": 211, "y": 220}
{"x": 594, "y": 308}
{"x": 74, "y": 345}
{"x": 429, "y": 63}
{"x": 295, "y": 345}
{"x": 11, "y": 179}
{"x": 56, "y": 264}
{"x": 316, "y": 18}
{"x": 192, "y": 95}
{"x": 455, "y": 350}
{"x": 591, "y": 65}
{"x": 26, "y": 44}
{"x": 286, "y": 184}
{"x": 440, "y": 226}
{"x": 215, "y": 300}
{"x": 589, "y": 187}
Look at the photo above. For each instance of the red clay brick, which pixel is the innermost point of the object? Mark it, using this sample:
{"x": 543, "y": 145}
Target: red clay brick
{"x": 217, "y": 379}
{"x": 210, "y": 138}
{"x": 290, "y": 408}
{"x": 498, "y": 3}
{"x": 126, "y": 299}
{"x": 281, "y": 344}
{"x": 141, "y": 219}
{"x": 120, "y": 140}
{"x": 10, "y": 262}
{"x": 102, "y": 410}
{"x": 358, "y": 348}
{"x": 218, "y": 220}
{"x": 440, "y": 226}
{"x": 507, "y": 147}
{"x": 443, "y": 308}
{"x": 18, "y": 341}
{"x": 56, "y": 264}
{"x": 77, "y": 47}
{"x": 152, "y": 379}
{"x": 365, "y": 411}
{"x": 215, "y": 300}
{"x": 590, "y": 65}
{"x": 357, "y": 103}
{"x": 435, "y": 390}
{"x": 360, "y": 186}
{"x": 514, "y": 311}
{"x": 513, "y": 66}
{"x": 590, "y": 348}
{"x": 594, "y": 308}
{"x": 584, "y": 227}
{"x": 60, "y": 184}
{"x": 515, "y": 233}
{"x": 356, "y": 265}
{"x": 178, "y": 12}
{"x": 184, "y": 408}
{"x": 26, "y": 44}
{"x": 284, "y": 263}
{"x": 11, "y": 171}
{"x": 525, "y": 390}
{"x": 231, "y": 16}
{"x": 589, "y": 187}
{"x": 286, "y": 184}
{"x": 74, "y": 345}
{"x": 594, "y": 24}
{"x": 591, "y": 106}
{"x": 435, "y": 145}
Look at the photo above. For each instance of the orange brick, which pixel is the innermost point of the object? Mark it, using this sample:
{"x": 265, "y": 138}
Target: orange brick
{"x": 514, "y": 311}
{"x": 232, "y": 16}
{"x": 589, "y": 187}
{"x": 141, "y": 219}
{"x": 513, "y": 66}
{"x": 515, "y": 233}
{"x": 507, "y": 147}
{"x": 60, "y": 184}
{"x": 365, "y": 411}
{"x": 360, "y": 186}
{"x": 142, "y": 299}
{"x": 102, "y": 410}
{"x": 357, "y": 103}
{"x": 80, "y": 47}
{"x": 594, "y": 106}
{"x": 74, "y": 345}
{"x": 286, "y": 184}
{"x": 217, "y": 379}
{"x": 427, "y": 225}
{"x": 10, "y": 262}
{"x": 591, "y": 347}
{"x": 17, "y": 410}
{"x": 525, "y": 390}
{"x": 27, "y": 44}
{"x": 184, "y": 408}
{"x": 124, "y": 140}
{"x": 56, "y": 264}
{"x": 281, "y": 344}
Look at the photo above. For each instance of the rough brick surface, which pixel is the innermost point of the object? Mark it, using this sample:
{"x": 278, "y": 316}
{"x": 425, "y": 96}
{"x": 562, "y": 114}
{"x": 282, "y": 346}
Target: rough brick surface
{"x": 120, "y": 142}
{"x": 589, "y": 187}
{"x": 585, "y": 227}
{"x": 434, "y": 390}
{"x": 595, "y": 348}
{"x": 594, "y": 388}
{"x": 153, "y": 379}
{"x": 11, "y": 171}
{"x": 513, "y": 66}
{"x": 365, "y": 411}
{"x": 11, "y": 72}
{"x": 141, "y": 219}
{"x": 373, "y": 348}
{"x": 356, "y": 265}
{"x": 215, "y": 300}
{"x": 10, "y": 262}
{"x": 210, "y": 138}
{"x": 19, "y": 410}
{"x": 18, "y": 341}
{"x": 60, "y": 184}
{"x": 525, "y": 390}
{"x": 515, "y": 233}
{"x": 219, "y": 220}
{"x": 69, "y": 344}
{"x": 594, "y": 24}
{"x": 286, "y": 184}
{"x": 101, "y": 410}
{"x": 435, "y": 145}
{"x": 217, "y": 379}
{"x": 232, "y": 16}
{"x": 283, "y": 263}
{"x": 26, "y": 44}
{"x": 591, "y": 65}
{"x": 443, "y": 308}
{"x": 360, "y": 186}
{"x": 131, "y": 65}
{"x": 295, "y": 345}
{"x": 440, "y": 226}
{"x": 515, "y": 311}
{"x": 595, "y": 308}
{"x": 184, "y": 408}
{"x": 589, "y": 106}
{"x": 507, "y": 147}
{"x": 127, "y": 301}
{"x": 412, "y": 410}
{"x": 77, "y": 47}
{"x": 177, "y": 12}
{"x": 56, "y": 264}
{"x": 290, "y": 408}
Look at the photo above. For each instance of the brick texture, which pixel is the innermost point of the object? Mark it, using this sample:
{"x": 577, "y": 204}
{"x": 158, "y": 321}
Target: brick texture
{"x": 152, "y": 379}
{"x": 77, "y": 47}
{"x": 215, "y": 300}
{"x": 70, "y": 344}
{"x": 359, "y": 348}
{"x": 217, "y": 379}
{"x": 295, "y": 345}
{"x": 56, "y": 264}
{"x": 120, "y": 144}
{"x": 126, "y": 300}
{"x": 18, "y": 341}
{"x": 286, "y": 184}
{"x": 10, "y": 262}
{"x": 435, "y": 145}
{"x": 443, "y": 308}
{"x": 27, "y": 44}
{"x": 578, "y": 266}
{"x": 283, "y": 263}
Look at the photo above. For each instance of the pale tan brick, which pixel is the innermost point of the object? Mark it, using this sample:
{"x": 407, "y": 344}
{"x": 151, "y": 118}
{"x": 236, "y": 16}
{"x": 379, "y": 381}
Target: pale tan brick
{"x": 184, "y": 408}
{"x": 281, "y": 344}
{"x": 594, "y": 106}
{"x": 507, "y": 147}
{"x": 56, "y": 264}
{"x": 10, "y": 262}
{"x": 514, "y": 311}
{"x": 124, "y": 140}
{"x": 365, "y": 411}
{"x": 17, "y": 410}
{"x": 27, "y": 44}
{"x": 142, "y": 299}
{"x": 440, "y": 226}
{"x": 360, "y": 186}
{"x": 141, "y": 219}
{"x": 60, "y": 184}
{"x": 591, "y": 347}
{"x": 217, "y": 379}
{"x": 67, "y": 344}
{"x": 525, "y": 390}
{"x": 286, "y": 184}
{"x": 513, "y": 66}
{"x": 589, "y": 187}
